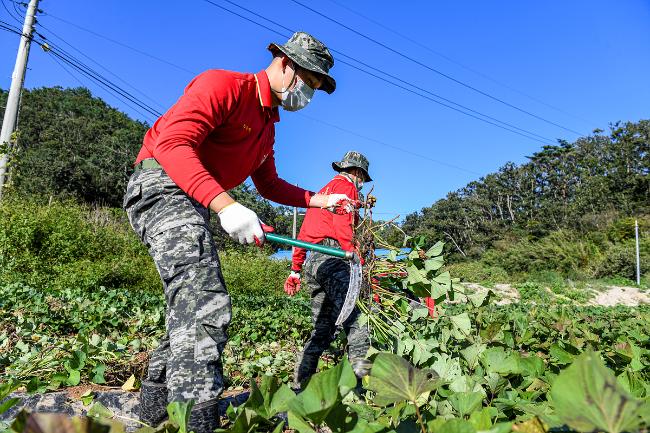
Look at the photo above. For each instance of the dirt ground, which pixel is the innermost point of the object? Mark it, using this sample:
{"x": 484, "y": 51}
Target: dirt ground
{"x": 607, "y": 296}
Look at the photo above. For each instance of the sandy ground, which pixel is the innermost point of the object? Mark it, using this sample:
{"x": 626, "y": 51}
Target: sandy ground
{"x": 621, "y": 295}
{"x": 609, "y": 297}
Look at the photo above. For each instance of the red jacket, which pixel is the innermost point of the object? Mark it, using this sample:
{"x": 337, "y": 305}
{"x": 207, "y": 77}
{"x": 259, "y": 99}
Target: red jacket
{"x": 321, "y": 223}
{"x": 219, "y": 132}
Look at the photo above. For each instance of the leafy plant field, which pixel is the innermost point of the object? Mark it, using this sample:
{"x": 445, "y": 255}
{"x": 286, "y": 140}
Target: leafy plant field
{"x": 474, "y": 366}
{"x": 467, "y": 365}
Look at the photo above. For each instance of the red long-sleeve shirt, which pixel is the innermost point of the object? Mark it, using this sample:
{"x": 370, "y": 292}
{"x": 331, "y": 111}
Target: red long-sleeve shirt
{"x": 219, "y": 132}
{"x": 321, "y": 223}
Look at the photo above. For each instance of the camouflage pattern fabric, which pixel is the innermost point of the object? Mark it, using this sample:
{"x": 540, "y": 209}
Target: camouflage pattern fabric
{"x": 354, "y": 159}
{"x": 311, "y": 54}
{"x": 328, "y": 278}
{"x": 175, "y": 229}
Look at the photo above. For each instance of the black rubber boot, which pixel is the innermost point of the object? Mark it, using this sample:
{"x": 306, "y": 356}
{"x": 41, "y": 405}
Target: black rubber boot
{"x": 204, "y": 417}
{"x": 153, "y": 403}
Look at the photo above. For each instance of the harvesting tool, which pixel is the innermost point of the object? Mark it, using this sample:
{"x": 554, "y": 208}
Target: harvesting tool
{"x": 354, "y": 286}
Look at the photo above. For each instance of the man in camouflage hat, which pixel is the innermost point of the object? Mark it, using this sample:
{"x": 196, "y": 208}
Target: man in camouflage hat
{"x": 328, "y": 277}
{"x": 219, "y": 132}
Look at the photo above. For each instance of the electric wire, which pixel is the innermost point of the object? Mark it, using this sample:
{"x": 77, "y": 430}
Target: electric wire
{"x": 457, "y": 63}
{"x": 523, "y": 134}
{"x": 509, "y": 125}
{"x": 144, "y": 53}
{"x": 90, "y": 73}
{"x": 4, "y": 5}
{"x": 432, "y": 69}
{"x": 331, "y": 125}
{"x": 157, "y": 103}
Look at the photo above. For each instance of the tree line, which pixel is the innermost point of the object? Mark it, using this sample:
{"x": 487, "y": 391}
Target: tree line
{"x": 581, "y": 186}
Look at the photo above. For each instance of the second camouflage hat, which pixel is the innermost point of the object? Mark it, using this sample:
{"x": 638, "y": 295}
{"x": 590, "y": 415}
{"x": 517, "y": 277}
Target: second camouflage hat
{"x": 353, "y": 159}
{"x": 311, "y": 54}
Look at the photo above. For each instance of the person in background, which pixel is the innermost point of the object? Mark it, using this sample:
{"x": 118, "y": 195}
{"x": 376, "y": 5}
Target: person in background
{"x": 327, "y": 277}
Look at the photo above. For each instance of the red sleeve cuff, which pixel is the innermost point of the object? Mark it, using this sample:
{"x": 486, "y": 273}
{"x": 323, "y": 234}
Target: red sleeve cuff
{"x": 205, "y": 192}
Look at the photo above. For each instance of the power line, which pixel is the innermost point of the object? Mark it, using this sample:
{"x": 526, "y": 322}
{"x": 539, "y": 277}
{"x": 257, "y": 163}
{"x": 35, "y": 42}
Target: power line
{"x": 94, "y": 75}
{"x": 10, "y": 13}
{"x": 455, "y": 62}
{"x": 60, "y": 56}
{"x": 100, "y": 65}
{"x": 507, "y": 127}
{"x": 375, "y": 140}
{"x": 449, "y": 77}
{"x": 105, "y": 83}
{"x": 392, "y": 146}
{"x": 90, "y": 73}
{"x": 62, "y": 65}
{"x": 121, "y": 44}
{"x": 550, "y": 141}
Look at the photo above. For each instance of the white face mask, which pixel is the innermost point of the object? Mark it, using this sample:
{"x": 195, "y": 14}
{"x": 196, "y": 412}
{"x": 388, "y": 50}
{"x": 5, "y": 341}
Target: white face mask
{"x": 298, "y": 97}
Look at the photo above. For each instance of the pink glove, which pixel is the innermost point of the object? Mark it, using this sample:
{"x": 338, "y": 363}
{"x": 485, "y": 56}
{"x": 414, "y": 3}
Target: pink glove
{"x": 292, "y": 285}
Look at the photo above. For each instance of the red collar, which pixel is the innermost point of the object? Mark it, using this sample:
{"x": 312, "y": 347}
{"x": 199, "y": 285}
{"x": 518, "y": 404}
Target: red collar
{"x": 264, "y": 89}
{"x": 264, "y": 95}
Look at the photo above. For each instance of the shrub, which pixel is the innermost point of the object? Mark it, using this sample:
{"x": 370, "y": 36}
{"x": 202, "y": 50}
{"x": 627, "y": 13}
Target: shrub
{"x": 478, "y": 272}
{"x": 620, "y": 260}
{"x": 253, "y": 271}
{"x": 67, "y": 245}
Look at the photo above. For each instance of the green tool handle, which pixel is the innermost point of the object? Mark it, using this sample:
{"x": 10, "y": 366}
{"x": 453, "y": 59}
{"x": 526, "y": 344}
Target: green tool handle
{"x": 330, "y": 251}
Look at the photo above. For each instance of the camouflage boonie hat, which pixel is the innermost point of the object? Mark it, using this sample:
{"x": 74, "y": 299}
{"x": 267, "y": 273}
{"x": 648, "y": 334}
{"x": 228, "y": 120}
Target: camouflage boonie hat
{"x": 353, "y": 159}
{"x": 311, "y": 54}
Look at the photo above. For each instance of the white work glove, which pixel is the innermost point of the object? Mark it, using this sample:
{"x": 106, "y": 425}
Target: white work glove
{"x": 335, "y": 201}
{"x": 241, "y": 224}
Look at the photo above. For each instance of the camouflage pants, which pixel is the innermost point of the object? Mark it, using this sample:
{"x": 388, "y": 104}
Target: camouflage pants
{"x": 328, "y": 279}
{"x": 175, "y": 229}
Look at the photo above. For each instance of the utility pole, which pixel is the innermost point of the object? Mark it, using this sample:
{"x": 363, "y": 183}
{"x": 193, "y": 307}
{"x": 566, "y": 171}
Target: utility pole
{"x": 17, "y": 80}
{"x": 638, "y": 258}
{"x": 295, "y": 223}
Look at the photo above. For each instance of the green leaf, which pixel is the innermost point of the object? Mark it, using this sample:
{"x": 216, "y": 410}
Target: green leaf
{"x": 423, "y": 350}
{"x": 179, "y": 414}
{"x": 434, "y": 263}
{"x": 482, "y": 420}
{"x": 466, "y": 402}
{"x": 497, "y": 360}
{"x": 532, "y": 366}
{"x": 74, "y": 377}
{"x": 87, "y": 397}
{"x": 98, "y": 374}
{"x": 394, "y": 379}
{"x": 8, "y": 404}
{"x": 560, "y": 355}
{"x": 298, "y": 423}
{"x": 472, "y": 354}
{"x": 480, "y": 298}
{"x": 435, "y": 250}
{"x": 457, "y": 426}
{"x": 444, "y": 279}
{"x": 414, "y": 254}
{"x": 438, "y": 292}
{"x": 98, "y": 410}
{"x": 587, "y": 397}
{"x": 323, "y": 392}
{"x": 447, "y": 368}
{"x": 419, "y": 313}
{"x": 462, "y": 325}
{"x": 416, "y": 276}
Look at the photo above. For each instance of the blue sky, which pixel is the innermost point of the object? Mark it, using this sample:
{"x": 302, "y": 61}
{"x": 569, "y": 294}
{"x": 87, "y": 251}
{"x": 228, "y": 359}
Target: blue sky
{"x": 589, "y": 60}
